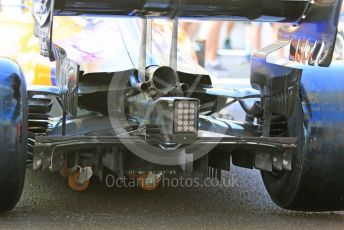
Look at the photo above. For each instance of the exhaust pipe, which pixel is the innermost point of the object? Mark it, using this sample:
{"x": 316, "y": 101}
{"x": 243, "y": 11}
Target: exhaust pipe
{"x": 163, "y": 79}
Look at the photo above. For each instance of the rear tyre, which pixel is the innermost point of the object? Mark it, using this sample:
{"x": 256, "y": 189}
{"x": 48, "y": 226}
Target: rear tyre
{"x": 13, "y": 134}
{"x": 316, "y": 182}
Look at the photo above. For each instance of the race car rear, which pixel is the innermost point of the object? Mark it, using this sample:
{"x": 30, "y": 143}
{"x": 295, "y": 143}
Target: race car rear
{"x": 128, "y": 103}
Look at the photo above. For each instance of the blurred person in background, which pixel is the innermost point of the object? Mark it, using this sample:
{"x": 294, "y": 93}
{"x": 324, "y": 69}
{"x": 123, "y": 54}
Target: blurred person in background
{"x": 254, "y": 36}
{"x": 191, "y": 28}
{"x": 212, "y": 44}
{"x": 228, "y": 43}
{"x": 212, "y": 40}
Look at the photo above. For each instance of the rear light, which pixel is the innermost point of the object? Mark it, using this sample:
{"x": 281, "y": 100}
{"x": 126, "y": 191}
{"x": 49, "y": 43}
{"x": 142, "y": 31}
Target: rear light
{"x": 186, "y": 116}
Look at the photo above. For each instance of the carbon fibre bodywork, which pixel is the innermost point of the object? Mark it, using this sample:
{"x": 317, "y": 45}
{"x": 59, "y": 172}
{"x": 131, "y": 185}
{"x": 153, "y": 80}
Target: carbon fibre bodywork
{"x": 280, "y": 10}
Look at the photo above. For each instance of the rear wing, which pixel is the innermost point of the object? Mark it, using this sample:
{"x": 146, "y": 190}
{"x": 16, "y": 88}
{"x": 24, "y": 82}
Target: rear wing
{"x": 312, "y": 37}
{"x": 283, "y": 10}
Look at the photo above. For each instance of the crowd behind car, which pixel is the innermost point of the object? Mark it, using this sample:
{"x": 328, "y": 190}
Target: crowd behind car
{"x": 216, "y": 34}
{"x": 216, "y": 37}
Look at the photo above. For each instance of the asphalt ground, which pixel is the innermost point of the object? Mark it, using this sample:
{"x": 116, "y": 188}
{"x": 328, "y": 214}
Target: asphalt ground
{"x": 48, "y": 203}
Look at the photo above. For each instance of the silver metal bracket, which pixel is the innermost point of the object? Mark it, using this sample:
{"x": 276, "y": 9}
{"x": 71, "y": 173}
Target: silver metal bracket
{"x": 67, "y": 79}
{"x": 85, "y": 174}
{"x": 143, "y": 51}
{"x": 174, "y": 46}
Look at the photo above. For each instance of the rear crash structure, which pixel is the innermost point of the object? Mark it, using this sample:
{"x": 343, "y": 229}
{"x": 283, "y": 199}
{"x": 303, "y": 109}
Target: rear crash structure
{"x": 154, "y": 117}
